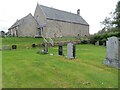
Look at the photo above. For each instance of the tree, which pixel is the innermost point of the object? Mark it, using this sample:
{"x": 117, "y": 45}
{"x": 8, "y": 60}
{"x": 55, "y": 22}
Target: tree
{"x": 101, "y": 31}
{"x": 117, "y": 16}
{"x": 107, "y": 23}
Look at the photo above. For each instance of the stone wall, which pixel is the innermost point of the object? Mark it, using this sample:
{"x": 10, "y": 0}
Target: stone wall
{"x": 28, "y": 27}
{"x": 39, "y": 15}
{"x": 59, "y": 29}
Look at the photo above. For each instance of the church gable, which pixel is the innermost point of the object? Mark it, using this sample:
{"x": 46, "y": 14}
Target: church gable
{"x": 24, "y": 27}
{"x": 39, "y": 15}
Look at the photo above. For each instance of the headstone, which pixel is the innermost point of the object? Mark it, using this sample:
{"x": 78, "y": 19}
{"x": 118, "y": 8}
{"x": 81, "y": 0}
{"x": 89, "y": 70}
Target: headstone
{"x": 33, "y": 45}
{"x": 60, "y": 50}
{"x": 74, "y": 50}
{"x": 71, "y": 50}
{"x": 97, "y": 43}
{"x": 113, "y": 52}
{"x": 46, "y": 48}
{"x": 104, "y": 44}
{"x": 6, "y": 47}
{"x": 14, "y": 46}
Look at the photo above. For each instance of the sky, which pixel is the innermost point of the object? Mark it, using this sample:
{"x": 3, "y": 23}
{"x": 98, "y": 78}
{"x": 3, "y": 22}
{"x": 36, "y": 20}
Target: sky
{"x": 93, "y": 11}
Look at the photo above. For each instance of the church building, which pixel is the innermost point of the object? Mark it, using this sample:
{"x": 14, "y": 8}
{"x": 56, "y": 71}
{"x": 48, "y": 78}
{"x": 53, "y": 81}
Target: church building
{"x": 50, "y": 22}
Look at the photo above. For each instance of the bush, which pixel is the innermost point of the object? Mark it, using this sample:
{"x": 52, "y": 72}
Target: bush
{"x": 84, "y": 42}
{"x": 102, "y": 37}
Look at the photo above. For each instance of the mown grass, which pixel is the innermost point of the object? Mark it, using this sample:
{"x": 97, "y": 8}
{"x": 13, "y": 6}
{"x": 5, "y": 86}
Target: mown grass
{"x": 24, "y": 68}
{"x": 21, "y": 42}
{"x": 65, "y": 39}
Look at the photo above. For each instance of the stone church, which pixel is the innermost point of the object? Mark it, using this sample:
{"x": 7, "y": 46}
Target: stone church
{"x": 50, "y": 22}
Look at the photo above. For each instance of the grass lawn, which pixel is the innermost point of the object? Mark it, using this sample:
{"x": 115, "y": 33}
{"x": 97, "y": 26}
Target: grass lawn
{"x": 21, "y": 42}
{"x": 24, "y": 68}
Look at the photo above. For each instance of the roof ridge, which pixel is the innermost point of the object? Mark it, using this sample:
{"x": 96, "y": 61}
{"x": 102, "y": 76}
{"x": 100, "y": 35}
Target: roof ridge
{"x": 59, "y": 9}
{"x": 53, "y": 13}
{"x": 18, "y": 21}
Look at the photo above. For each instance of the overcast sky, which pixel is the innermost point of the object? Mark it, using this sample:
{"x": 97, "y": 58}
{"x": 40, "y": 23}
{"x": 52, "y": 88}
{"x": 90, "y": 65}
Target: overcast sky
{"x": 93, "y": 11}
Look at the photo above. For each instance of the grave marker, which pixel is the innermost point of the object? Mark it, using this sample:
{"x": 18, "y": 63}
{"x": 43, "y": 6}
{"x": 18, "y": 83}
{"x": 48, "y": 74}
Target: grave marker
{"x": 33, "y": 45}
{"x": 113, "y": 52}
{"x": 46, "y": 48}
{"x": 14, "y": 46}
{"x": 97, "y": 43}
{"x": 6, "y": 47}
{"x": 71, "y": 50}
{"x": 60, "y": 50}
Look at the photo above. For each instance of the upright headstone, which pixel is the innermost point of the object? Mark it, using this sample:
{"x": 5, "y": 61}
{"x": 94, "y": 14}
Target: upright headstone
{"x": 60, "y": 50}
{"x": 33, "y": 45}
{"x": 104, "y": 44}
{"x": 6, "y": 47}
{"x": 71, "y": 50}
{"x": 74, "y": 50}
{"x": 97, "y": 43}
{"x": 14, "y": 46}
{"x": 113, "y": 52}
{"x": 45, "y": 48}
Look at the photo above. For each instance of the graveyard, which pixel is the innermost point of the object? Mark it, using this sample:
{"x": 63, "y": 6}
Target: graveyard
{"x": 25, "y": 68}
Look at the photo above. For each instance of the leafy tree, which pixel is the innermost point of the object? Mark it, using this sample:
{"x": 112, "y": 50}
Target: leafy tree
{"x": 107, "y": 23}
{"x": 117, "y": 16}
{"x": 102, "y": 31}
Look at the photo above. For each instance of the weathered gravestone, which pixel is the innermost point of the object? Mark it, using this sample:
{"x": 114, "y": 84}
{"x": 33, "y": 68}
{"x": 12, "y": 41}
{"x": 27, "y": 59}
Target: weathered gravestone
{"x": 104, "y": 44}
{"x": 113, "y": 52}
{"x": 71, "y": 50}
{"x": 97, "y": 43}
{"x": 6, "y": 47}
{"x": 60, "y": 50}
{"x": 45, "y": 48}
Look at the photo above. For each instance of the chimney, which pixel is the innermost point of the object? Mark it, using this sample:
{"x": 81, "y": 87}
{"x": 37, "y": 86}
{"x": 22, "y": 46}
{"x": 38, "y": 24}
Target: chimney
{"x": 78, "y": 12}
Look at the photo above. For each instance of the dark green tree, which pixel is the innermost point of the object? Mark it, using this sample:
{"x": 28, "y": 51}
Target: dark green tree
{"x": 107, "y": 23}
{"x": 117, "y": 16}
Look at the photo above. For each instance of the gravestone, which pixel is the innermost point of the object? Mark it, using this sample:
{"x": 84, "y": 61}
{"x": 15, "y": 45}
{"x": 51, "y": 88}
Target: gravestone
{"x": 104, "y": 44}
{"x": 6, "y": 47}
{"x": 113, "y": 52}
{"x": 74, "y": 50}
{"x": 46, "y": 48}
{"x": 60, "y": 50}
{"x": 71, "y": 50}
{"x": 14, "y": 46}
{"x": 97, "y": 43}
{"x": 33, "y": 45}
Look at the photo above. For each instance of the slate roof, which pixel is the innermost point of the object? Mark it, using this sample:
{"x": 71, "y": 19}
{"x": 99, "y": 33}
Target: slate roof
{"x": 18, "y": 22}
{"x": 15, "y": 24}
{"x": 55, "y": 14}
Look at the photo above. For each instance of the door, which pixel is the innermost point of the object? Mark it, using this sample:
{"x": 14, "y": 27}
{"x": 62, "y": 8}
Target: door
{"x": 40, "y": 31}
